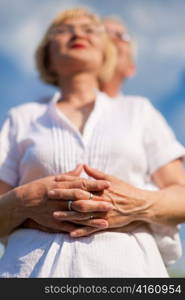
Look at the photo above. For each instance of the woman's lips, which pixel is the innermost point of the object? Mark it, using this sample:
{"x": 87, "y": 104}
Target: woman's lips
{"x": 78, "y": 46}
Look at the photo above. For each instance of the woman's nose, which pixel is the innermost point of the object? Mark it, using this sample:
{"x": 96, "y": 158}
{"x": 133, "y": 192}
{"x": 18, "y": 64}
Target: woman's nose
{"x": 78, "y": 31}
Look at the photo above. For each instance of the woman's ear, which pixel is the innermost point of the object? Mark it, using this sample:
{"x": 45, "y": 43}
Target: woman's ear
{"x": 47, "y": 58}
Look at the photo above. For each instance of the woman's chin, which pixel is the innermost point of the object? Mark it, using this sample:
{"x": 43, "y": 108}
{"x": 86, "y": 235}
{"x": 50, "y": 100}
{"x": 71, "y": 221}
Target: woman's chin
{"x": 80, "y": 60}
{"x": 80, "y": 55}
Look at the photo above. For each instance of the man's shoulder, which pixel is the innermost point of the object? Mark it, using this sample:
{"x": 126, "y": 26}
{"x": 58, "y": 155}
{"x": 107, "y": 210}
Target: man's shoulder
{"x": 133, "y": 103}
{"x": 133, "y": 99}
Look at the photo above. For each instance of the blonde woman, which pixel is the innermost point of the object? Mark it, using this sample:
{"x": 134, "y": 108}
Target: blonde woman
{"x": 83, "y": 126}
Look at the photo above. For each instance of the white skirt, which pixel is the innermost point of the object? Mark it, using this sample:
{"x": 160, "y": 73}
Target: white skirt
{"x": 32, "y": 253}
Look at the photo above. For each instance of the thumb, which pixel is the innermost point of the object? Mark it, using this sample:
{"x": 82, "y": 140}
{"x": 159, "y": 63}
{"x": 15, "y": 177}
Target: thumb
{"x": 95, "y": 173}
{"x": 75, "y": 172}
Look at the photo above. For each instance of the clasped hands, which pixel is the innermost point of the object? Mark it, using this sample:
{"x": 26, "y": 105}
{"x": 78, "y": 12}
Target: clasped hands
{"x": 106, "y": 203}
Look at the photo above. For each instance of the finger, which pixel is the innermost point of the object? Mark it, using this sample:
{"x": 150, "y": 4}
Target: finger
{"x": 67, "y": 226}
{"x": 87, "y": 185}
{"x": 68, "y": 194}
{"x": 91, "y": 206}
{"x": 99, "y": 223}
{"x": 74, "y": 194}
{"x": 73, "y": 215}
{"x": 85, "y": 231}
{"x": 54, "y": 226}
{"x": 85, "y": 206}
{"x": 63, "y": 226}
{"x": 64, "y": 177}
{"x": 71, "y": 175}
{"x": 77, "y": 171}
{"x": 96, "y": 173}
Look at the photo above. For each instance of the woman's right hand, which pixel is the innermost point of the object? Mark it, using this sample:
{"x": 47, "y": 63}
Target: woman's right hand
{"x": 39, "y": 208}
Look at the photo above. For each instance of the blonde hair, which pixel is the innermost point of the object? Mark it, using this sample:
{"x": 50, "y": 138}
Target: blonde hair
{"x": 42, "y": 54}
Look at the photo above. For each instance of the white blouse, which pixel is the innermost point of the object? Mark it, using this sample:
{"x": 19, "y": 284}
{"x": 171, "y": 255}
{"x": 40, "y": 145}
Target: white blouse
{"x": 125, "y": 137}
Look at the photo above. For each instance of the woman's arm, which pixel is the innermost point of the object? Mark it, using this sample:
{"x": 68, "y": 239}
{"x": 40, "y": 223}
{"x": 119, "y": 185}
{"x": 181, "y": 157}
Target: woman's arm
{"x": 12, "y": 213}
{"x": 31, "y": 201}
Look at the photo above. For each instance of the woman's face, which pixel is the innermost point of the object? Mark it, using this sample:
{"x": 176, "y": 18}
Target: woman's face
{"x": 76, "y": 45}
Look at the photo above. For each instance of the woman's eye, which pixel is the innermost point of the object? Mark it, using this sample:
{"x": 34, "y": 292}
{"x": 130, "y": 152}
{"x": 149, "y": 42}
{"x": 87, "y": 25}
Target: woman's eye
{"x": 89, "y": 30}
{"x": 62, "y": 30}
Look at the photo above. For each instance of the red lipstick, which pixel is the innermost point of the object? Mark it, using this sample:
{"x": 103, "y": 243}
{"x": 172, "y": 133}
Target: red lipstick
{"x": 78, "y": 45}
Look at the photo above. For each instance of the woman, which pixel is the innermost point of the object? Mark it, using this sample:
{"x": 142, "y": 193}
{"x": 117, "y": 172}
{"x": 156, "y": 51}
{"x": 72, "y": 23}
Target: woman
{"x": 78, "y": 127}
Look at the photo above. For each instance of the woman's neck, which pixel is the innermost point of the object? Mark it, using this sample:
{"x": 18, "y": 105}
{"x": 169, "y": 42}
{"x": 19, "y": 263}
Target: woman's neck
{"x": 78, "y": 90}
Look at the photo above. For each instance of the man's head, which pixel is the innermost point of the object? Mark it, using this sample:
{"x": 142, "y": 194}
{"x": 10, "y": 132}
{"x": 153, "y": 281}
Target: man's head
{"x": 125, "y": 47}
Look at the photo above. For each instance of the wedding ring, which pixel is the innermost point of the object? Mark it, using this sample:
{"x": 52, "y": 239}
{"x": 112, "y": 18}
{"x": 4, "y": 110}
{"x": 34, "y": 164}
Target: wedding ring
{"x": 69, "y": 205}
{"x": 90, "y": 196}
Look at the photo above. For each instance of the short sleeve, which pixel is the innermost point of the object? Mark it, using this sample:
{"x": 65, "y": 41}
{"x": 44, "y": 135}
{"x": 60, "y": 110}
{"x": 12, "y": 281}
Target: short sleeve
{"x": 9, "y": 154}
{"x": 160, "y": 143}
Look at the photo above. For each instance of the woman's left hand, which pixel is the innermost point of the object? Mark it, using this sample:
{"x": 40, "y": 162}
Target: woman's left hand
{"x": 129, "y": 204}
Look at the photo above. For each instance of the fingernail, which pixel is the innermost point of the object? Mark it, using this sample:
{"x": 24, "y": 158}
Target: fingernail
{"x": 52, "y": 193}
{"x": 102, "y": 224}
{"x": 59, "y": 214}
{"x": 75, "y": 234}
{"x": 109, "y": 206}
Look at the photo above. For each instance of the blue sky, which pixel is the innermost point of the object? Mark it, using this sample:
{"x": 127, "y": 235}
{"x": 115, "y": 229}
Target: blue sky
{"x": 156, "y": 25}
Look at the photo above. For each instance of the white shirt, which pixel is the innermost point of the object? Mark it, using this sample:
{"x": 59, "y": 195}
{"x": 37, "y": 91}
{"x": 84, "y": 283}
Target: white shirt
{"x": 125, "y": 137}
